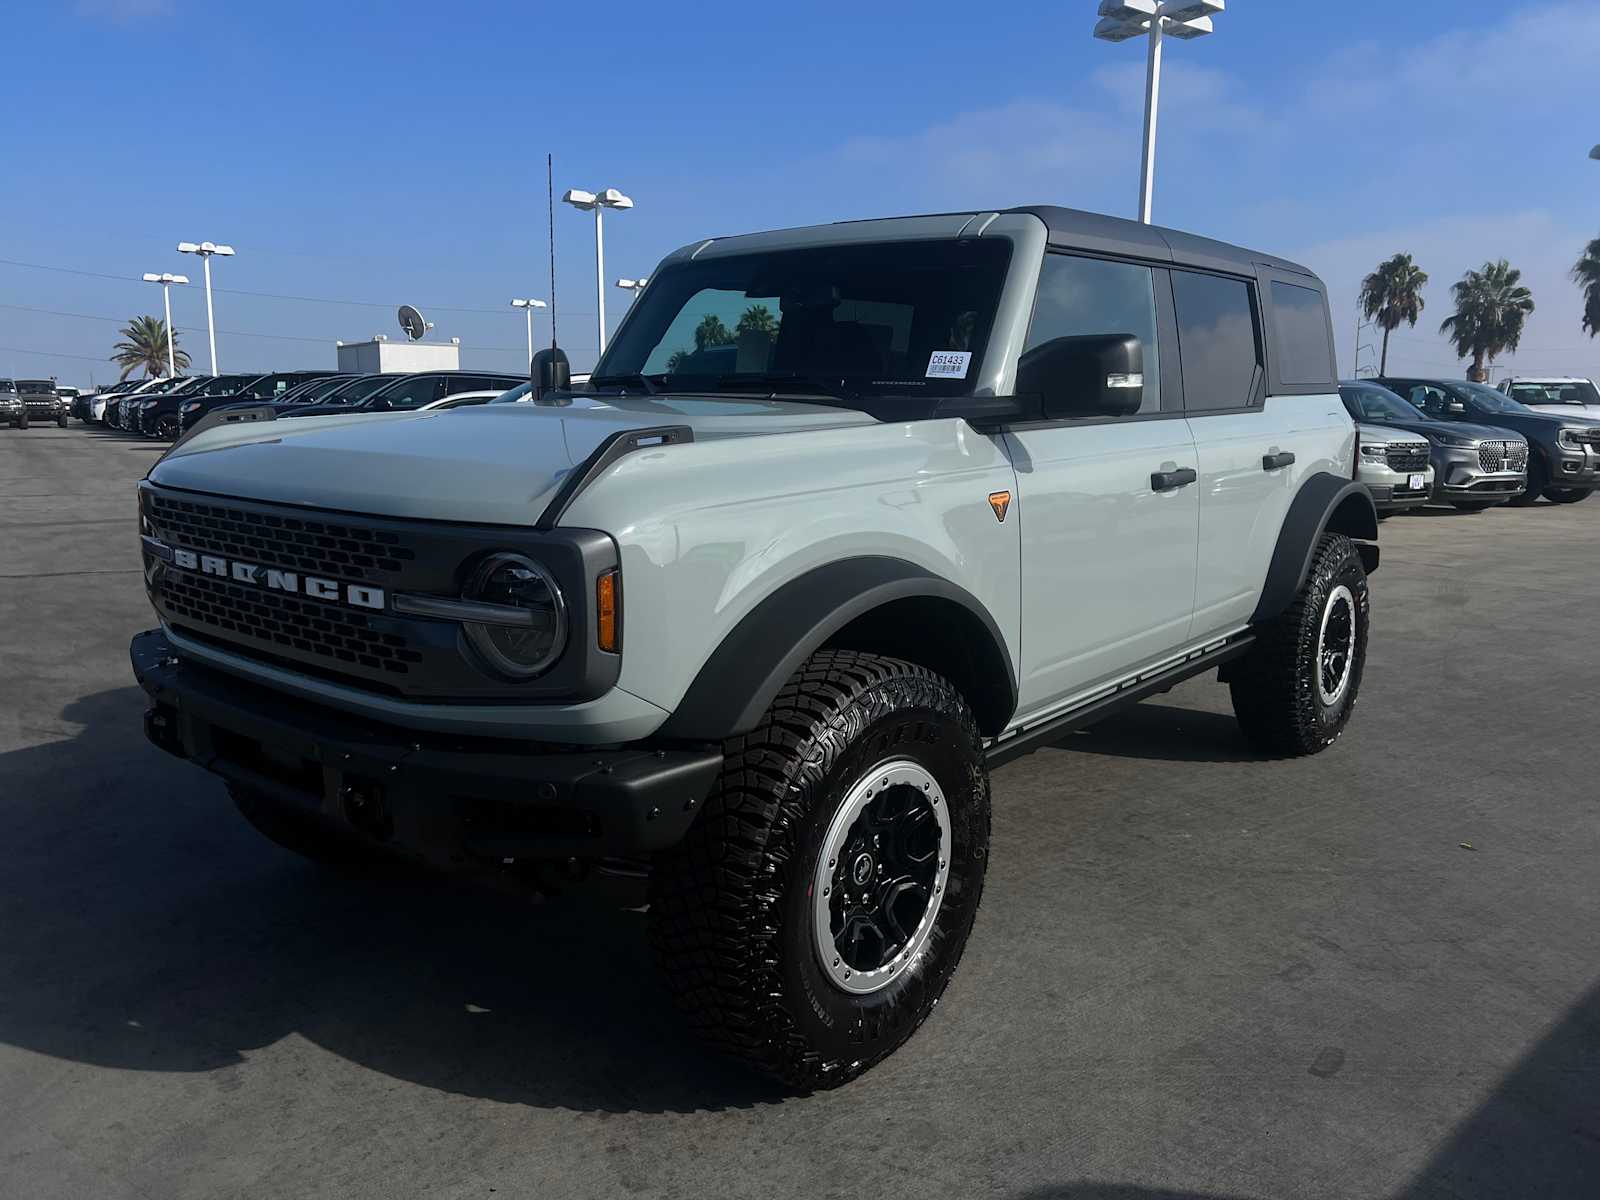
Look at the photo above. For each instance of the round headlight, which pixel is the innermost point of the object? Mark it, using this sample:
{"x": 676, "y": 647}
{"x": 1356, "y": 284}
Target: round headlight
{"x": 534, "y": 631}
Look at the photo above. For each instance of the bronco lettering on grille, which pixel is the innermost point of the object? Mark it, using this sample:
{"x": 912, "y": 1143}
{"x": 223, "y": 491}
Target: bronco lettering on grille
{"x": 360, "y": 595}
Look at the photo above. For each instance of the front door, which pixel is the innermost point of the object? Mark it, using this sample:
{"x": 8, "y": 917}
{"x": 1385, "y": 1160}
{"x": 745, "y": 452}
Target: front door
{"x": 1109, "y": 522}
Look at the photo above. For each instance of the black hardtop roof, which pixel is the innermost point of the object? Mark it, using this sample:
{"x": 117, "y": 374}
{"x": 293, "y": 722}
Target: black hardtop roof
{"x": 1072, "y": 228}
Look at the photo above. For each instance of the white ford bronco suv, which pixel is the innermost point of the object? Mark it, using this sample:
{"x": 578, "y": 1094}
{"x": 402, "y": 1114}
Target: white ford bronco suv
{"x": 845, "y": 517}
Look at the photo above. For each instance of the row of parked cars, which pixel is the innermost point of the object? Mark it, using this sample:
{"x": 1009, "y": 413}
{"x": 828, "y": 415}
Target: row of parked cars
{"x": 1473, "y": 446}
{"x": 1421, "y": 440}
{"x": 169, "y": 408}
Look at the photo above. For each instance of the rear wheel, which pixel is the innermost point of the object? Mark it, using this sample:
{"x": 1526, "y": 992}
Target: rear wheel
{"x": 811, "y": 919}
{"x": 1293, "y": 693}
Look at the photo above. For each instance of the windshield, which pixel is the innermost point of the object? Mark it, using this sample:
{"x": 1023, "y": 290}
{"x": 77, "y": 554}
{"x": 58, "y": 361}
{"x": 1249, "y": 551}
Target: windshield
{"x": 36, "y": 387}
{"x": 7, "y": 386}
{"x": 1489, "y": 399}
{"x": 1371, "y": 403}
{"x": 1578, "y": 392}
{"x": 357, "y": 389}
{"x": 906, "y": 318}
{"x": 223, "y": 385}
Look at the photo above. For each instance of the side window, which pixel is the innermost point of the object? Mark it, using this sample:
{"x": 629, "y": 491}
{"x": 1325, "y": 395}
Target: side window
{"x": 1300, "y": 335}
{"x": 1218, "y": 338}
{"x": 1429, "y": 399}
{"x": 462, "y": 383}
{"x": 1084, "y": 296}
{"x": 415, "y": 392}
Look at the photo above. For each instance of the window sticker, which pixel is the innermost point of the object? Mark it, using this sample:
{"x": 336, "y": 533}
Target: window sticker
{"x": 948, "y": 364}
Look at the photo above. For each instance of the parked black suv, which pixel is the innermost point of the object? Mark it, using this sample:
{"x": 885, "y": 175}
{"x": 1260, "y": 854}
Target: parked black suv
{"x": 410, "y": 391}
{"x": 169, "y": 421}
{"x": 1563, "y": 452}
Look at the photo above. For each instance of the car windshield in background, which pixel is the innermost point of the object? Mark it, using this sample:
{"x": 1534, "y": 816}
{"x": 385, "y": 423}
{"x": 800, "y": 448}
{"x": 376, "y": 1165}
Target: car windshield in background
{"x": 886, "y": 318}
{"x": 1379, "y": 404}
{"x": 222, "y": 385}
{"x": 1491, "y": 399}
{"x": 35, "y": 387}
{"x": 314, "y": 391}
{"x": 357, "y": 389}
{"x": 7, "y": 386}
{"x": 1580, "y": 392}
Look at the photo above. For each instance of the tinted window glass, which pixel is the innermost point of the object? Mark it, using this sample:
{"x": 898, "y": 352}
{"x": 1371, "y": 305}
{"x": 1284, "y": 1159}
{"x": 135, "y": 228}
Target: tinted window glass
{"x": 906, "y": 318}
{"x": 1300, "y": 334}
{"x": 1084, "y": 296}
{"x": 410, "y": 393}
{"x": 1218, "y": 338}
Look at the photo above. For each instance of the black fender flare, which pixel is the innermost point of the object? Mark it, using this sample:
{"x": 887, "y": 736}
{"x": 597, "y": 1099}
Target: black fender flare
{"x": 736, "y": 685}
{"x": 1324, "y": 502}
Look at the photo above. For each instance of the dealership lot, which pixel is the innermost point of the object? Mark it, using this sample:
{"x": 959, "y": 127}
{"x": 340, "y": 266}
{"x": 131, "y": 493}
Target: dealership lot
{"x": 1368, "y": 973}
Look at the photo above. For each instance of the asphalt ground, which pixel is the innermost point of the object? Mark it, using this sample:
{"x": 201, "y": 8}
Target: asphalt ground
{"x": 1196, "y": 972}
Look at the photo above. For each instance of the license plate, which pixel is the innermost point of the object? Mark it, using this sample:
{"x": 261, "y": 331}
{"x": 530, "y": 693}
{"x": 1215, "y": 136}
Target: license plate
{"x": 1415, "y": 482}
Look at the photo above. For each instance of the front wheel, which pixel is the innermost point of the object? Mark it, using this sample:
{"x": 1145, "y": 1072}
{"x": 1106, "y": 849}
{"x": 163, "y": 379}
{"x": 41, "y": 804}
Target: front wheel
{"x": 1293, "y": 693}
{"x": 22, "y": 420}
{"x": 62, "y": 420}
{"x": 813, "y": 916}
{"x": 167, "y": 428}
{"x": 1566, "y": 495}
{"x": 1537, "y": 482}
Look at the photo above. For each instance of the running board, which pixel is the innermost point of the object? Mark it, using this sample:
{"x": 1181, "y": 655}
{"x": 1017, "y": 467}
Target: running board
{"x": 1135, "y": 690}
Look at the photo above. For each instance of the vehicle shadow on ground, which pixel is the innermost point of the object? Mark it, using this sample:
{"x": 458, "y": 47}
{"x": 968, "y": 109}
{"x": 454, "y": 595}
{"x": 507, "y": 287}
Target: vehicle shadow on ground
{"x": 1164, "y": 733}
{"x": 149, "y": 929}
{"x": 1537, "y": 1134}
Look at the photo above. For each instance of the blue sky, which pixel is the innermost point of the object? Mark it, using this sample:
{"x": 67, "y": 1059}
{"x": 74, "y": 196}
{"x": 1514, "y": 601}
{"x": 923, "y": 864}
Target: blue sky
{"x": 394, "y": 152}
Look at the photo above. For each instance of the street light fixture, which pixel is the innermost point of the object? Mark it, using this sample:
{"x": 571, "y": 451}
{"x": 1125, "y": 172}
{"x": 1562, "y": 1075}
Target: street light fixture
{"x": 633, "y": 285}
{"x": 1121, "y": 20}
{"x": 598, "y": 202}
{"x": 529, "y": 306}
{"x": 205, "y": 250}
{"x": 166, "y": 279}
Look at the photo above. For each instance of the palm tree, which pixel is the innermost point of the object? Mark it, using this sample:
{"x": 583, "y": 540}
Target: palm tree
{"x": 1491, "y": 308}
{"x": 144, "y": 347}
{"x": 1391, "y": 294}
{"x": 757, "y": 318}
{"x": 1587, "y": 275}
{"x": 711, "y": 332}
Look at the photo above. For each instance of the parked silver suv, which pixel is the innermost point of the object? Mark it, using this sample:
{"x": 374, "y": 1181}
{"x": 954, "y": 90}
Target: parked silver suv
{"x": 848, "y": 516}
{"x": 1395, "y": 468}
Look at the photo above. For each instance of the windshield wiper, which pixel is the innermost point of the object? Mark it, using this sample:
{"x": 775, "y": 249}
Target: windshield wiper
{"x": 622, "y": 381}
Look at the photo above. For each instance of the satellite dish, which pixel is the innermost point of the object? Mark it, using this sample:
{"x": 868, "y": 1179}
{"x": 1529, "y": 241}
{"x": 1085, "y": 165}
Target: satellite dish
{"x": 412, "y": 323}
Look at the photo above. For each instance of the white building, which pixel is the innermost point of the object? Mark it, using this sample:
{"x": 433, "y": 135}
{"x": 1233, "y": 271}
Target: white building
{"x": 380, "y": 356}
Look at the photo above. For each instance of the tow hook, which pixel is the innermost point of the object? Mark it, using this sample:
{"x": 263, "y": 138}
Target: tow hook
{"x": 365, "y": 808}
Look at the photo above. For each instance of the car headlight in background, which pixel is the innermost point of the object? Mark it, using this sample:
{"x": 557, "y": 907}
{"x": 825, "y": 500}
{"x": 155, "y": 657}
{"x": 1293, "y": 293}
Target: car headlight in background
{"x": 1567, "y": 439}
{"x": 1375, "y": 451}
{"x": 533, "y": 631}
{"x": 189, "y": 406}
{"x": 1455, "y": 440}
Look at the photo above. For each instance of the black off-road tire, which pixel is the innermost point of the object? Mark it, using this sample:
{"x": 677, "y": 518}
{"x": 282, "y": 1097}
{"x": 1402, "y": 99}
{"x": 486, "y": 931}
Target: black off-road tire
{"x": 731, "y": 906}
{"x": 1566, "y": 495}
{"x": 22, "y": 420}
{"x": 1276, "y": 696}
{"x": 301, "y": 833}
{"x": 1538, "y": 480}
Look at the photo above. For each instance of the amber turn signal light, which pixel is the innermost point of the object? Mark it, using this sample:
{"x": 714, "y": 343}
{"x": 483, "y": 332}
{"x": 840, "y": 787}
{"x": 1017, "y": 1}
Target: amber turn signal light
{"x": 607, "y": 630}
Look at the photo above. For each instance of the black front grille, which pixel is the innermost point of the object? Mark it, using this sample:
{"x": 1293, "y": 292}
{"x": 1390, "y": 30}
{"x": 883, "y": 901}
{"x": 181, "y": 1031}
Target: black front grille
{"x": 329, "y": 631}
{"x": 332, "y": 549}
{"x": 1408, "y": 458}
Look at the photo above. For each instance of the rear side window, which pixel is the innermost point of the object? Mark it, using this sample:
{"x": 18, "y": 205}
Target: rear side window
{"x": 1300, "y": 334}
{"x": 1079, "y": 297}
{"x": 1218, "y": 338}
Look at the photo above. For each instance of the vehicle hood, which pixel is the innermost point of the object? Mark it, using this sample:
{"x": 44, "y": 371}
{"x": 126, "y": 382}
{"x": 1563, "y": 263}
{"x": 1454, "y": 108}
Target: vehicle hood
{"x": 493, "y": 464}
{"x": 1372, "y": 432}
{"x": 1432, "y": 429}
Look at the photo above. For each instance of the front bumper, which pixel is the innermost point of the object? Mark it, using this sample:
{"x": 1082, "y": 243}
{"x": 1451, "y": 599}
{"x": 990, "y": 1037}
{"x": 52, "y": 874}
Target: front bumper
{"x": 1391, "y": 490}
{"x": 452, "y": 801}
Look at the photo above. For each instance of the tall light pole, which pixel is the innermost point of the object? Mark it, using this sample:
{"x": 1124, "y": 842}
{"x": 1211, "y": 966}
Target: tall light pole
{"x": 166, "y": 279}
{"x": 529, "y": 305}
{"x": 598, "y": 202}
{"x": 205, "y": 250}
{"x": 1155, "y": 20}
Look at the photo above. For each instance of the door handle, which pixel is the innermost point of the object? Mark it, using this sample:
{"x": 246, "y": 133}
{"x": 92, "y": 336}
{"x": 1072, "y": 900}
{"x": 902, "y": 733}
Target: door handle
{"x": 1271, "y": 462}
{"x": 1166, "y": 481}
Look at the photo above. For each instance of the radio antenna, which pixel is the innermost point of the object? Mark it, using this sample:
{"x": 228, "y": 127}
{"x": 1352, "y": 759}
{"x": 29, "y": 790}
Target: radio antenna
{"x": 550, "y": 209}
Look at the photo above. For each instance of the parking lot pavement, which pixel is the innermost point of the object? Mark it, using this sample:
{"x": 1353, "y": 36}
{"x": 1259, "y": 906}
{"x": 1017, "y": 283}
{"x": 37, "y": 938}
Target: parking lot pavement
{"x": 1196, "y": 972}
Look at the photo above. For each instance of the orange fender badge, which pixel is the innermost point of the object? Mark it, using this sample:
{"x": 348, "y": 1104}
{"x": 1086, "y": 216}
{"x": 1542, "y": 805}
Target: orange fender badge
{"x": 1001, "y": 503}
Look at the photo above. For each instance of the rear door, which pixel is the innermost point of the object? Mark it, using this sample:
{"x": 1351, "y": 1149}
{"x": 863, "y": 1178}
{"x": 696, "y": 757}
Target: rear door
{"x": 1108, "y": 548}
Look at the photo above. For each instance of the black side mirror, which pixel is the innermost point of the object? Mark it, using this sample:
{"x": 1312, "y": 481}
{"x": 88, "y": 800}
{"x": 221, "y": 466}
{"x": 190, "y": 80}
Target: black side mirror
{"x": 1097, "y": 375}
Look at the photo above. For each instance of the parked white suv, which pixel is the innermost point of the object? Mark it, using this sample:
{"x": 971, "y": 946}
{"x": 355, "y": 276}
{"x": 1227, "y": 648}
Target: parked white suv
{"x": 847, "y": 516}
{"x": 1566, "y": 394}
